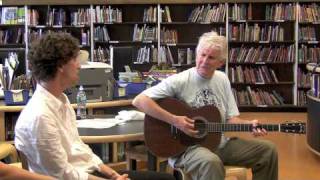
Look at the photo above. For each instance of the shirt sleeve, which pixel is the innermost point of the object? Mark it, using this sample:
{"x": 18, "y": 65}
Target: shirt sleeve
{"x": 51, "y": 153}
{"x": 95, "y": 159}
{"x": 166, "y": 88}
{"x": 84, "y": 147}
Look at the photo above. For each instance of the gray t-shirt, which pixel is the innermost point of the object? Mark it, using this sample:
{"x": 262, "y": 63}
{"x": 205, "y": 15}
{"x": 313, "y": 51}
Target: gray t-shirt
{"x": 196, "y": 91}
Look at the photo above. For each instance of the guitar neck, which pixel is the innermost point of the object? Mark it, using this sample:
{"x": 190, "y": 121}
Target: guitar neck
{"x": 224, "y": 127}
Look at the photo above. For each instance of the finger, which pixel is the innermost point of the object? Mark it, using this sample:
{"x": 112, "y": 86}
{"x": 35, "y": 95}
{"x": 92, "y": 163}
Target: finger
{"x": 193, "y": 132}
{"x": 265, "y": 132}
{"x": 254, "y": 134}
{"x": 254, "y": 130}
{"x": 259, "y": 130}
{"x": 190, "y": 125}
{"x": 189, "y": 121}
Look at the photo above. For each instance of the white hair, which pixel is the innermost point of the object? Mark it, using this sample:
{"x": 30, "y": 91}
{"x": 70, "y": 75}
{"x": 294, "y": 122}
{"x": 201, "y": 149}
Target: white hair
{"x": 213, "y": 40}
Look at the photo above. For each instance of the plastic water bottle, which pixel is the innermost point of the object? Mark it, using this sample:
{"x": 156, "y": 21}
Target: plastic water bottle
{"x": 81, "y": 103}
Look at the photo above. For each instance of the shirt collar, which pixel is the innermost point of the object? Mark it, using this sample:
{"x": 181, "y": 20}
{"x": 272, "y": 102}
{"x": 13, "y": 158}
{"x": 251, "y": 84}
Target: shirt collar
{"x": 56, "y": 102}
{"x": 199, "y": 77}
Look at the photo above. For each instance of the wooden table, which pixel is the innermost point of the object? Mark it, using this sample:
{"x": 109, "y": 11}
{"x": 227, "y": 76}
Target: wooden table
{"x": 129, "y": 131}
{"x": 90, "y": 106}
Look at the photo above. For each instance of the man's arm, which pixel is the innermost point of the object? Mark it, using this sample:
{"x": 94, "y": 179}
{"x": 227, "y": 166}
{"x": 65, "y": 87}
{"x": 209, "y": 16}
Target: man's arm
{"x": 12, "y": 173}
{"x": 112, "y": 174}
{"x": 255, "y": 131}
{"x": 150, "y": 107}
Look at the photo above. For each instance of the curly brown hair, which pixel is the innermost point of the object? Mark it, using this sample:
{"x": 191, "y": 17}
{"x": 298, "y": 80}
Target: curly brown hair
{"x": 50, "y": 52}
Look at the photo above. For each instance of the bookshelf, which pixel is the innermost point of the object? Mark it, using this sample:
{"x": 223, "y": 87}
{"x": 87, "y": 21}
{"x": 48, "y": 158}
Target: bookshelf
{"x": 261, "y": 64}
{"x": 127, "y": 26}
{"x": 269, "y": 43}
{"x": 179, "y": 22}
{"x": 12, "y": 33}
{"x": 308, "y": 46}
{"x": 76, "y": 20}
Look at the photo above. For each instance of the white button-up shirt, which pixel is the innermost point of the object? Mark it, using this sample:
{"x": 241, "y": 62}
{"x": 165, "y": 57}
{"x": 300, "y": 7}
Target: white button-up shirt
{"x": 47, "y": 134}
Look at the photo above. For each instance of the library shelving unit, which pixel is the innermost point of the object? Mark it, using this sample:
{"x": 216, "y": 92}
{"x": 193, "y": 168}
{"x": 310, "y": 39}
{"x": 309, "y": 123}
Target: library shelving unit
{"x": 308, "y": 46}
{"x": 262, "y": 53}
{"x": 12, "y": 33}
{"x": 269, "y": 43}
{"x": 126, "y": 29}
{"x": 75, "y": 20}
{"x": 180, "y": 27}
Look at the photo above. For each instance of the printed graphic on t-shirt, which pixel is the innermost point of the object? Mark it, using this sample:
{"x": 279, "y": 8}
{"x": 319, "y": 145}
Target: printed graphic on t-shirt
{"x": 206, "y": 97}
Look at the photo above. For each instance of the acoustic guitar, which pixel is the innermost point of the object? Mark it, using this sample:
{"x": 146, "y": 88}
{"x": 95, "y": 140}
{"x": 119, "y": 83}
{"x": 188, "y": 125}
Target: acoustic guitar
{"x": 165, "y": 140}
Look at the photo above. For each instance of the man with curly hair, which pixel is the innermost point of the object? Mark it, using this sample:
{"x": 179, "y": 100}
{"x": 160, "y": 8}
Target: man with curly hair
{"x": 46, "y": 130}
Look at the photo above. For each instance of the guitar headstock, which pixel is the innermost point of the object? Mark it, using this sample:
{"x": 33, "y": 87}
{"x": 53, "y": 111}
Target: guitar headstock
{"x": 293, "y": 127}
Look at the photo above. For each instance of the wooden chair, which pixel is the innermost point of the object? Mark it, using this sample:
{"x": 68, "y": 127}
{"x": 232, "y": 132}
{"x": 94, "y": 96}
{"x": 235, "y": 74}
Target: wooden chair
{"x": 24, "y": 160}
{"x": 232, "y": 173}
{"x": 140, "y": 153}
{"x": 8, "y": 150}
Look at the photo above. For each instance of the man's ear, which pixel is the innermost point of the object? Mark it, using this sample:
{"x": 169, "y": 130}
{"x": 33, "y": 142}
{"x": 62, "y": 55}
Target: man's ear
{"x": 60, "y": 69}
{"x": 221, "y": 63}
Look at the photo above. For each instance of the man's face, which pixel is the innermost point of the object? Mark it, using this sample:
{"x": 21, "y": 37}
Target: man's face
{"x": 70, "y": 72}
{"x": 207, "y": 61}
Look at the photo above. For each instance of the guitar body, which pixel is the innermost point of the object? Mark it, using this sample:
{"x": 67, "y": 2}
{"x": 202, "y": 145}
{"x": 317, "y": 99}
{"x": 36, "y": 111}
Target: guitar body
{"x": 164, "y": 140}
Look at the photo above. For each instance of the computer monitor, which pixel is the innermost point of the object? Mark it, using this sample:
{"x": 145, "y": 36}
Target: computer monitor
{"x": 121, "y": 56}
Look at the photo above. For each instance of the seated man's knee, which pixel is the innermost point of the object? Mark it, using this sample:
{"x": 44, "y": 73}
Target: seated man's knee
{"x": 270, "y": 152}
{"x": 270, "y": 146}
{"x": 212, "y": 162}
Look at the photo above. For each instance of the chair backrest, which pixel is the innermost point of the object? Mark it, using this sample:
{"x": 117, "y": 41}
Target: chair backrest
{"x": 8, "y": 150}
{"x": 24, "y": 160}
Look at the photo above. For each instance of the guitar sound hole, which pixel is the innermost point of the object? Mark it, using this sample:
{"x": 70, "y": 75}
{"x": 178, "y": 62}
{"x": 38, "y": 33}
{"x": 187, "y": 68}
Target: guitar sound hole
{"x": 200, "y": 125}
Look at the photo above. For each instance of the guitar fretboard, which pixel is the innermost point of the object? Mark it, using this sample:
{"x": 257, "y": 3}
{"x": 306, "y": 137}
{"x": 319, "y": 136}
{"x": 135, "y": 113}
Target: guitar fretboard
{"x": 223, "y": 127}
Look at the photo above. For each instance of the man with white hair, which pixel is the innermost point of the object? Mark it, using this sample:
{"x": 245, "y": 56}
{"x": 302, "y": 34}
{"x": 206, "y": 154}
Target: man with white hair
{"x": 206, "y": 85}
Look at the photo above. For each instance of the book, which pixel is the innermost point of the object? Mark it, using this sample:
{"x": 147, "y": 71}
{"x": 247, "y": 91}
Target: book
{"x": 182, "y": 56}
{"x": 167, "y": 12}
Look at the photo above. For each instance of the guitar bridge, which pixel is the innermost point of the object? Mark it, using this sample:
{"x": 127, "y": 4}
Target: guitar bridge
{"x": 174, "y": 132}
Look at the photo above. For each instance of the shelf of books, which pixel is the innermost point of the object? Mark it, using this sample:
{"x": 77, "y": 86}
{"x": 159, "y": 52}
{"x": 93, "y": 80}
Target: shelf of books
{"x": 262, "y": 53}
{"x": 75, "y": 20}
{"x": 12, "y": 33}
{"x": 130, "y": 26}
{"x": 269, "y": 43}
{"x": 182, "y": 24}
{"x": 308, "y": 46}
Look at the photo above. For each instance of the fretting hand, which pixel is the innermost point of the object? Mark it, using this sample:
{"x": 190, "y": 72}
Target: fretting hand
{"x": 257, "y": 131}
